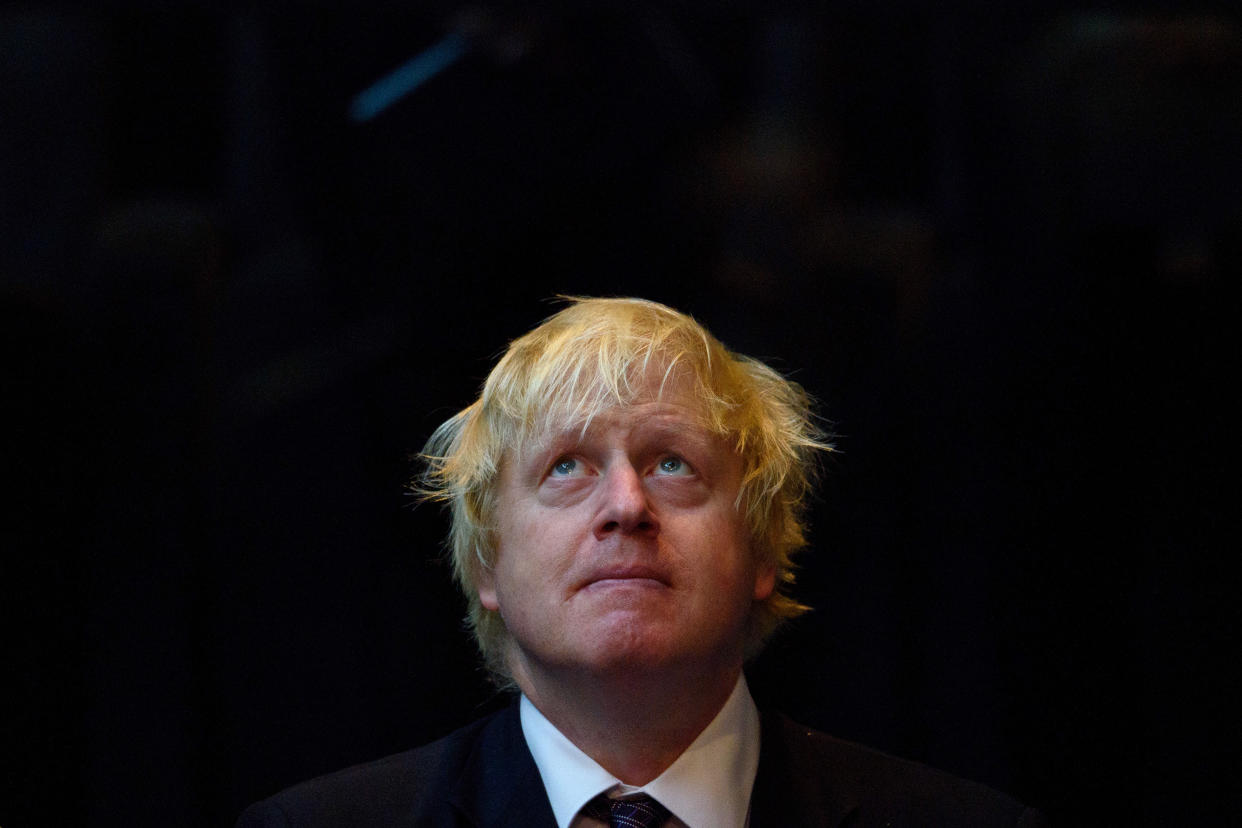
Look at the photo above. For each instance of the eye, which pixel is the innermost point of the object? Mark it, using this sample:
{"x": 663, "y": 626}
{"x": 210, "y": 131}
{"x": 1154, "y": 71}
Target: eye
{"x": 672, "y": 465}
{"x": 564, "y": 467}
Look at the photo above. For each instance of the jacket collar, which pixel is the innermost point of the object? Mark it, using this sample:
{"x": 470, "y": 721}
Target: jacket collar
{"x": 793, "y": 786}
{"x": 500, "y": 784}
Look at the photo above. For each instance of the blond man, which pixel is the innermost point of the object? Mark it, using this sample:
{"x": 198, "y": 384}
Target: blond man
{"x": 626, "y": 499}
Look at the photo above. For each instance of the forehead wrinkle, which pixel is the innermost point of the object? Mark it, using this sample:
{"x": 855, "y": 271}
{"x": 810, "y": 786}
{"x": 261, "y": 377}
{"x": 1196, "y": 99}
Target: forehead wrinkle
{"x": 572, "y": 397}
{"x": 671, "y": 424}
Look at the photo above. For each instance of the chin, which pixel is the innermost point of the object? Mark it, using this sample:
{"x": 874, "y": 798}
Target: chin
{"x": 629, "y": 646}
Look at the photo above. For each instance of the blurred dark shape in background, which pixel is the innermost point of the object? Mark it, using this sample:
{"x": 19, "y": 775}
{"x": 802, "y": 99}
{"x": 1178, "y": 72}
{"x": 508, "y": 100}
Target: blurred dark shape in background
{"x": 995, "y": 244}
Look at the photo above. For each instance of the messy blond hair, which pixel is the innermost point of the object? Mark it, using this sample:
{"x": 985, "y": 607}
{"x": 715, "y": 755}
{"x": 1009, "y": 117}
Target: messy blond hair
{"x": 598, "y": 354}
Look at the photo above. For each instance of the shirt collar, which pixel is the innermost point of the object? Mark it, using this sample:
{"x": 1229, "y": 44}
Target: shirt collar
{"x": 709, "y": 784}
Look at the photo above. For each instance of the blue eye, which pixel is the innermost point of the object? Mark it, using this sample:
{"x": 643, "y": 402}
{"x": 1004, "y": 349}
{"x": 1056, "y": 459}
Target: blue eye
{"x": 564, "y": 467}
{"x": 673, "y": 465}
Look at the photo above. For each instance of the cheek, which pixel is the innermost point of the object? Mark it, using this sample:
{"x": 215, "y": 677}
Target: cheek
{"x": 728, "y": 559}
{"x": 522, "y": 569}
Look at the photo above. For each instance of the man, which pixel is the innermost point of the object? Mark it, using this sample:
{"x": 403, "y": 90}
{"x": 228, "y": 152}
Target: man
{"x": 626, "y": 498}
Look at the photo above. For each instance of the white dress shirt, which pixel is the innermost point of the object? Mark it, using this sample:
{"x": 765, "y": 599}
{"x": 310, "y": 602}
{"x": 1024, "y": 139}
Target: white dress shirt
{"x": 708, "y": 786}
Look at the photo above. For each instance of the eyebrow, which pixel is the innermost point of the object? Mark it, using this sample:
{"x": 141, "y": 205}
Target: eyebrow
{"x": 681, "y": 434}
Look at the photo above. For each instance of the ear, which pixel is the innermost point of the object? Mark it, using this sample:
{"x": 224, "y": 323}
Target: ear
{"x": 485, "y": 585}
{"x": 765, "y": 581}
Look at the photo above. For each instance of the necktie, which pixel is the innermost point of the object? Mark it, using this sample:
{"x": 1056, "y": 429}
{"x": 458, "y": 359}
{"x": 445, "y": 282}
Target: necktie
{"x": 639, "y": 811}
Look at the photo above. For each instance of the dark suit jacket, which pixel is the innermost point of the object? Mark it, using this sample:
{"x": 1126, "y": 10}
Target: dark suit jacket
{"x": 483, "y": 775}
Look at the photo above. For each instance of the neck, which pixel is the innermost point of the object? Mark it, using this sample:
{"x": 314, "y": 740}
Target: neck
{"x": 634, "y": 725}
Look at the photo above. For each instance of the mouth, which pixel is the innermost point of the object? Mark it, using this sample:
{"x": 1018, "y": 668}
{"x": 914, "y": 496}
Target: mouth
{"x": 637, "y": 576}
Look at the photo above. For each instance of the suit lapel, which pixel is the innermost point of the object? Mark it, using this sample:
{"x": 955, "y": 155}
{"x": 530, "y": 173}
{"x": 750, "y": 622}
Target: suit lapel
{"x": 500, "y": 784}
{"x": 793, "y": 787}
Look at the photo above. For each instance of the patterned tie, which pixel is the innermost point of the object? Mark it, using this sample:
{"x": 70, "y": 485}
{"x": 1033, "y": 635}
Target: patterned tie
{"x": 639, "y": 811}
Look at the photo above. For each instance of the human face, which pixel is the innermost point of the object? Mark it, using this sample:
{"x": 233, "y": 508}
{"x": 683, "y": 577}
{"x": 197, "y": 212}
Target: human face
{"x": 622, "y": 547}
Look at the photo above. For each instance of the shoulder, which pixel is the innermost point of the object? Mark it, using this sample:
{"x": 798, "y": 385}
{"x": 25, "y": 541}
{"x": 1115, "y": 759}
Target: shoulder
{"x": 836, "y": 779}
{"x": 396, "y": 790}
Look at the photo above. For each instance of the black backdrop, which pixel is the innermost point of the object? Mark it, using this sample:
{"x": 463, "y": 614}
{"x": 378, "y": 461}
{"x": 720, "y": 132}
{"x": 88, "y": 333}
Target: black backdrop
{"x": 994, "y": 243}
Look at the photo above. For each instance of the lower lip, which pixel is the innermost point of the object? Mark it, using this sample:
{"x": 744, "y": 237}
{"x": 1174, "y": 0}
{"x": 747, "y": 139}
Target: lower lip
{"x": 621, "y": 583}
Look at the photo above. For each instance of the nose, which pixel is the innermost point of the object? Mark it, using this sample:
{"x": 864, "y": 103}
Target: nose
{"x": 625, "y": 508}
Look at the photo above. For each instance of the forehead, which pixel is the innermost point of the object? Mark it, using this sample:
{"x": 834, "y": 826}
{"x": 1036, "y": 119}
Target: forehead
{"x": 640, "y": 422}
{"x": 656, "y": 401}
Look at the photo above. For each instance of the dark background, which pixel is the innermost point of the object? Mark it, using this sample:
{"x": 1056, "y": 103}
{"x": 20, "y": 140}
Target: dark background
{"x": 994, "y": 242}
